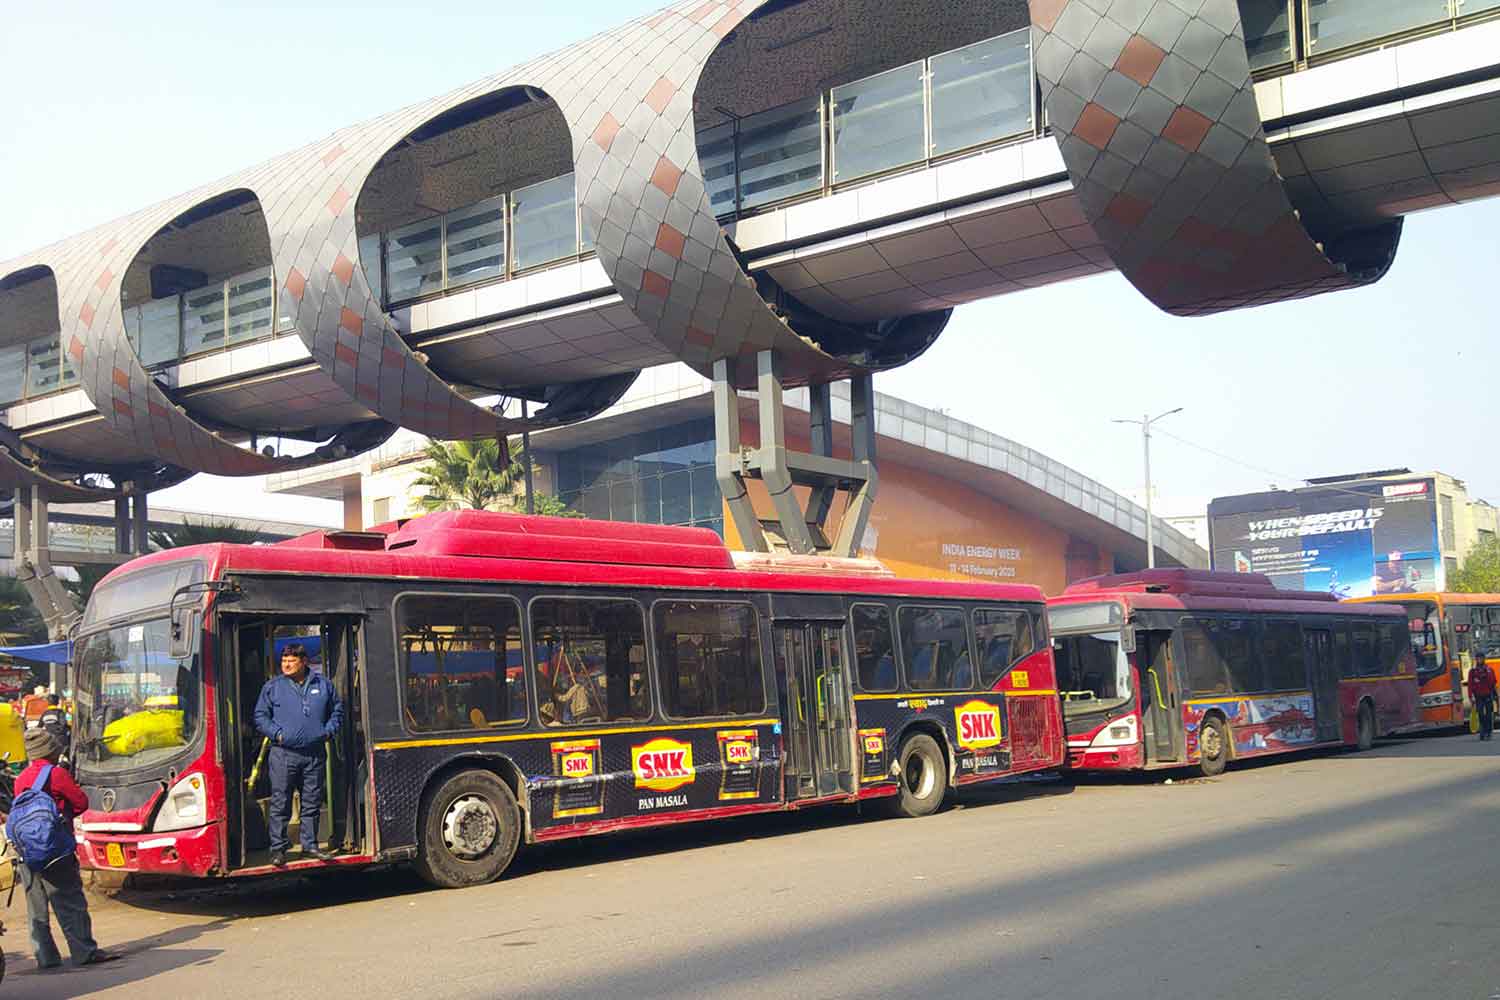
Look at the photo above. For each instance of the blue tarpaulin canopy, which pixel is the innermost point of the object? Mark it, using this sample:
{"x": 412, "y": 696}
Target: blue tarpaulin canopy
{"x": 46, "y": 652}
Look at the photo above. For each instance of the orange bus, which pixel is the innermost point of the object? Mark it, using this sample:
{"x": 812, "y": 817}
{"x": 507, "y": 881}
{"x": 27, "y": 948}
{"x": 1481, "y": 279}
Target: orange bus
{"x": 1447, "y": 631}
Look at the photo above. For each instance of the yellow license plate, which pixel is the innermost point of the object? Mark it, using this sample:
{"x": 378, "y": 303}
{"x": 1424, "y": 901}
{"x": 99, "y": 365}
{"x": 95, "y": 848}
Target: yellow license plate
{"x": 114, "y": 855}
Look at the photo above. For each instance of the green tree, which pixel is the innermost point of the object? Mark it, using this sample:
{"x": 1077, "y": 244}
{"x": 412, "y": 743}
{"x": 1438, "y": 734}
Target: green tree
{"x": 466, "y": 475}
{"x": 549, "y": 505}
{"x": 210, "y": 529}
{"x": 20, "y": 622}
{"x": 89, "y": 576}
{"x": 462, "y": 475}
{"x": 1480, "y": 572}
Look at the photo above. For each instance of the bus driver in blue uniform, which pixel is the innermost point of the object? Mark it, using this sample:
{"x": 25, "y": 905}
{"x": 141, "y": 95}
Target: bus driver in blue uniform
{"x": 297, "y": 712}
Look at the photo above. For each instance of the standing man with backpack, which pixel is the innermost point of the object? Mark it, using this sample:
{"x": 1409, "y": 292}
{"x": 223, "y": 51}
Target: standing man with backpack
{"x": 40, "y": 827}
{"x": 1482, "y": 694}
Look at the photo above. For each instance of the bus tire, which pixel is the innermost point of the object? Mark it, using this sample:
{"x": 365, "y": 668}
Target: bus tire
{"x": 470, "y": 829}
{"x": 1365, "y": 727}
{"x": 1213, "y": 747}
{"x": 923, "y": 781}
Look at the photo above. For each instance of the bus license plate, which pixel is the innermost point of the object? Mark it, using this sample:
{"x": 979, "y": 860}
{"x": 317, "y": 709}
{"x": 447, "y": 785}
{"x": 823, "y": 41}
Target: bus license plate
{"x": 114, "y": 855}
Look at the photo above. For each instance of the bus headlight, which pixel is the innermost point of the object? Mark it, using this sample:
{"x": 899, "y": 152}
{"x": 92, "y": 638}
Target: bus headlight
{"x": 186, "y": 805}
{"x": 1121, "y": 732}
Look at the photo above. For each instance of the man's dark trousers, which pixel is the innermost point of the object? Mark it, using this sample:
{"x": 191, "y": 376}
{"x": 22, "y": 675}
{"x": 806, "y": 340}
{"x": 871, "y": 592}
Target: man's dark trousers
{"x": 59, "y": 885}
{"x": 1486, "y": 709}
{"x": 296, "y": 769}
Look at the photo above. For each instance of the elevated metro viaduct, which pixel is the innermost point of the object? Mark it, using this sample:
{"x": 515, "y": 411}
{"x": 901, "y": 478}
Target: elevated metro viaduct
{"x": 775, "y": 192}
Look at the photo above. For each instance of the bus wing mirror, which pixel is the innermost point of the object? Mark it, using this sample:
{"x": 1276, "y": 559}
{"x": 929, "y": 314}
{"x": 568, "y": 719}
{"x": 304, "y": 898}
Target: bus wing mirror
{"x": 1127, "y": 640}
{"x": 185, "y": 621}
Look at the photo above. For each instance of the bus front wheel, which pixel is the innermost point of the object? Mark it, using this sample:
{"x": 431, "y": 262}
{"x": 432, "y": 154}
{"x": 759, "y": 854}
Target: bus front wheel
{"x": 471, "y": 827}
{"x": 924, "y": 777}
{"x": 1213, "y": 747}
{"x": 1366, "y": 730}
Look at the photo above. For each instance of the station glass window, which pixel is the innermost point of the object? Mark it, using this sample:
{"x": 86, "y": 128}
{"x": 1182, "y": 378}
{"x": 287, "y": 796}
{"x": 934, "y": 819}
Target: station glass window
{"x": 874, "y": 647}
{"x": 935, "y": 648}
{"x": 544, "y": 218}
{"x": 1281, "y": 655}
{"x": 981, "y": 92}
{"x": 1003, "y": 638}
{"x": 462, "y": 662}
{"x": 878, "y": 122}
{"x": 590, "y": 660}
{"x": 708, "y": 659}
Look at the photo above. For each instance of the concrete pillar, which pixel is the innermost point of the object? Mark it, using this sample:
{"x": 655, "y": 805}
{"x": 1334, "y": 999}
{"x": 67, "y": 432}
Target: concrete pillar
{"x": 354, "y": 505}
{"x": 139, "y": 524}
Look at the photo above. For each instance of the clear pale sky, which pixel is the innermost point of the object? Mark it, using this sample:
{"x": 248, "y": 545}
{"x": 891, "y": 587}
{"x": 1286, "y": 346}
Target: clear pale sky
{"x": 111, "y": 107}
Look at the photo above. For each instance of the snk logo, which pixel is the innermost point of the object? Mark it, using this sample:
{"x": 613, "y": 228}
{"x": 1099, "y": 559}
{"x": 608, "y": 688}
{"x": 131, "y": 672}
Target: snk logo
{"x": 978, "y": 724}
{"x": 663, "y": 764}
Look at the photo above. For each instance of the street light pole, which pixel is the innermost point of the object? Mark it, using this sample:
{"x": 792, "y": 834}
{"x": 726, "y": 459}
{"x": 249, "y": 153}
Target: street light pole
{"x": 1146, "y": 421}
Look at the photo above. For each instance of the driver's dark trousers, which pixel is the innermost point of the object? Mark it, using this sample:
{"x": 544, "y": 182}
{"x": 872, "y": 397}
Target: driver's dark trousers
{"x": 298, "y": 769}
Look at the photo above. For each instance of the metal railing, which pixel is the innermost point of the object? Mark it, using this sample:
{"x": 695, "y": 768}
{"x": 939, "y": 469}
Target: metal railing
{"x": 1284, "y": 35}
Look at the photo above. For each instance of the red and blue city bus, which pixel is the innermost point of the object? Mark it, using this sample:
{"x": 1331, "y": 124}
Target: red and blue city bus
{"x": 1174, "y": 667}
{"x": 518, "y": 679}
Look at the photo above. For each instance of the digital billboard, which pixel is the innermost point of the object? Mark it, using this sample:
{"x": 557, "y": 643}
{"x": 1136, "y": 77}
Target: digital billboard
{"x": 1355, "y": 539}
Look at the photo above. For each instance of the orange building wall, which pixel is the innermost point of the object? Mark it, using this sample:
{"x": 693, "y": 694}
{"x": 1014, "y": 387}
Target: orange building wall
{"x": 929, "y": 527}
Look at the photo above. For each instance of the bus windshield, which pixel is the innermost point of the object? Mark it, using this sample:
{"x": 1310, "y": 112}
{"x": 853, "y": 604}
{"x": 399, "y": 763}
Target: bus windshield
{"x": 1093, "y": 673}
{"x": 135, "y": 704}
{"x": 1425, "y": 633}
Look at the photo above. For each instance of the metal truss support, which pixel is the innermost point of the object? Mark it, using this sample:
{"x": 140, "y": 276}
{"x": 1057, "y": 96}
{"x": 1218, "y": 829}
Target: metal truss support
{"x": 797, "y": 529}
{"x": 34, "y": 564}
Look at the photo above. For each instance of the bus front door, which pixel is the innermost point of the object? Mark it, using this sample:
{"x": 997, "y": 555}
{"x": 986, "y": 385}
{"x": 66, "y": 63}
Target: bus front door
{"x": 1317, "y": 646}
{"x": 816, "y": 709}
{"x": 1161, "y": 720}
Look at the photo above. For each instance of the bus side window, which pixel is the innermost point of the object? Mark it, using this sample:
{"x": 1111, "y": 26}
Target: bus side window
{"x": 1205, "y": 669}
{"x": 460, "y": 661}
{"x": 590, "y": 660}
{"x": 1365, "y": 662}
{"x": 1004, "y": 638}
{"x": 1342, "y": 654}
{"x": 874, "y": 648}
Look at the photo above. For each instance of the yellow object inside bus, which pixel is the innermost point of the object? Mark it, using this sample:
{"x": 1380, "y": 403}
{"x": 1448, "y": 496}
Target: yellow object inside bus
{"x": 145, "y": 730}
{"x": 12, "y": 733}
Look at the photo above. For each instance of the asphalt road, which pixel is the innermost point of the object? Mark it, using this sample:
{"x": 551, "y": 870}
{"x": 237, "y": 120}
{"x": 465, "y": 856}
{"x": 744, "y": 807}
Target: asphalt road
{"x": 1336, "y": 875}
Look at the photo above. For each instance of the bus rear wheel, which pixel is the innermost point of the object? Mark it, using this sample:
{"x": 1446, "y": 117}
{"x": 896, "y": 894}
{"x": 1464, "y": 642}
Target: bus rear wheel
{"x": 1213, "y": 747}
{"x": 470, "y": 827}
{"x": 1365, "y": 733}
{"x": 924, "y": 777}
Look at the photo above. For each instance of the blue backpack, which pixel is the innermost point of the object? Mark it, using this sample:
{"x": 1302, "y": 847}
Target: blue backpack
{"x": 36, "y": 825}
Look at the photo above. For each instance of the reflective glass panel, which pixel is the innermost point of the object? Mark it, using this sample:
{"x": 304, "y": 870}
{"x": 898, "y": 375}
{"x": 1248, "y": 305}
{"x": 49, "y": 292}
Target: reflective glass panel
{"x": 781, "y": 153}
{"x": 203, "y": 319}
{"x": 545, "y": 221}
{"x": 1337, "y": 24}
{"x": 369, "y": 258}
{"x": 1268, "y": 37}
{"x": 69, "y": 369}
{"x": 476, "y": 242}
{"x": 414, "y": 260}
{"x": 251, "y": 305}
{"x": 877, "y": 123}
{"x": 934, "y": 648}
{"x": 716, "y": 160}
{"x": 12, "y": 373}
{"x": 981, "y": 93}
{"x": 43, "y": 365}
{"x": 160, "y": 331}
{"x": 1476, "y": 6}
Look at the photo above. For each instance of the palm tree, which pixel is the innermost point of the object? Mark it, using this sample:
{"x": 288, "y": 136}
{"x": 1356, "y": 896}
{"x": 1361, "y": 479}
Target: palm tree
{"x": 191, "y": 532}
{"x": 469, "y": 474}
